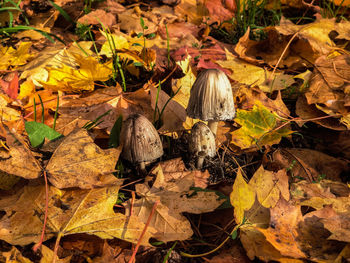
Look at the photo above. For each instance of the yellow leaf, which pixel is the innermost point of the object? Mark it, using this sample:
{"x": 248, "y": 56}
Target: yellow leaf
{"x": 81, "y": 77}
{"x": 250, "y": 74}
{"x": 242, "y": 197}
{"x": 15, "y": 57}
{"x": 266, "y": 187}
{"x": 26, "y": 89}
{"x": 259, "y": 127}
{"x": 185, "y": 83}
{"x": 113, "y": 42}
{"x": 7, "y": 113}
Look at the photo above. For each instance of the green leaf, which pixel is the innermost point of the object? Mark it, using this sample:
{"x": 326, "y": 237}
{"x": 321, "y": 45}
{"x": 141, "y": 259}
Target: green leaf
{"x": 138, "y": 64}
{"x": 139, "y": 35}
{"x": 115, "y": 133}
{"x": 142, "y": 23}
{"x": 260, "y": 127}
{"x": 37, "y": 132}
{"x": 149, "y": 36}
{"x": 136, "y": 44}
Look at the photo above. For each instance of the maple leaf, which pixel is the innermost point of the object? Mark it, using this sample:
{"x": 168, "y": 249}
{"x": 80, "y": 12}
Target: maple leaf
{"x": 250, "y": 74}
{"x": 76, "y": 78}
{"x": 69, "y": 212}
{"x": 15, "y": 57}
{"x": 269, "y": 186}
{"x": 78, "y": 154}
{"x": 258, "y": 128}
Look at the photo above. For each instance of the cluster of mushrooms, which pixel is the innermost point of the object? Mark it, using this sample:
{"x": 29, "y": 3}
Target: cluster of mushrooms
{"x": 211, "y": 100}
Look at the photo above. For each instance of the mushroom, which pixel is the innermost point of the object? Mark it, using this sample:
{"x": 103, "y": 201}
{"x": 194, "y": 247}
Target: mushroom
{"x": 141, "y": 141}
{"x": 201, "y": 143}
{"x": 211, "y": 98}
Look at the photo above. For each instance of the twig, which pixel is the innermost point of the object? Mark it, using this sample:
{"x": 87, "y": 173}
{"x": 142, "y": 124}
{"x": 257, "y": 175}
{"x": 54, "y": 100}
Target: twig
{"x": 132, "y": 259}
{"x": 35, "y": 248}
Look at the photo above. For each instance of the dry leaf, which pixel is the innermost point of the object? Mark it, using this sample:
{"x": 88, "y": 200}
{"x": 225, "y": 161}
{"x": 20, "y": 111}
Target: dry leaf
{"x": 282, "y": 233}
{"x": 242, "y": 197}
{"x": 98, "y": 17}
{"x": 19, "y": 160}
{"x": 175, "y": 198}
{"x": 79, "y": 162}
{"x": 69, "y": 212}
{"x": 310, "y": 164}
{"x": 269, "y": 186}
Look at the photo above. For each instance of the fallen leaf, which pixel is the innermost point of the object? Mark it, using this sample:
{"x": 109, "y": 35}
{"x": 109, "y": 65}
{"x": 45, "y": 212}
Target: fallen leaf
{"x": 282, "y": 233}
{"x": 76, "y": 78}
{"x": 70, "y": 212}
{"x": 175, "y": 197}
{"x": 19, "y": 160}
{"x": 316, "y": 33}
{"x": 14, "y": 256}
{"x": 269, "y": 186}
{"x": 8, "y": 114}
{"x": 98, "y": 17}
{"x": 310, "y": 112}
{"x": 14, "y": 58}
{"x": 79, "y": 162}
{"x": 249, "y": 74}
{"x": 259, "y": 127}
{"x": 310, "y": 164}
{"x": 242, "y": 197}
{"x": 48, "y": 256}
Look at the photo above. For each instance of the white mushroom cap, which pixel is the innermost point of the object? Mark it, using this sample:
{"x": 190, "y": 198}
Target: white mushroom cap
{"x": 211, "y": 97}
{"x": 141, "y": 141}
{"x": 202, "y": 140}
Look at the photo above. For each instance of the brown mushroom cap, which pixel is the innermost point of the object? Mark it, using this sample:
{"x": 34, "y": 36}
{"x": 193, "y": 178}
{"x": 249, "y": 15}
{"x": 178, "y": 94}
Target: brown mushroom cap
{"x": 141, "y": 141}
{"x": 202, "y": 140}
{"x": 211, "y": 97}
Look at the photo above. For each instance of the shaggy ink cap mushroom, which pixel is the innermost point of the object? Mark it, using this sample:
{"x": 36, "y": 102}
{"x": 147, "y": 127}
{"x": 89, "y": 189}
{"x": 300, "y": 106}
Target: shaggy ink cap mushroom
{"x": 141, "y": 141}
{"x": 201, "y": 143}
{"x": 211, "y": 98}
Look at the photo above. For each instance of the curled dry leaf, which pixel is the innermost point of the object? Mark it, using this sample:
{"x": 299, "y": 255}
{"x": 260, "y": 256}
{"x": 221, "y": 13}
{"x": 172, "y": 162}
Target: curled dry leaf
{"x": 268, "y": 50}
{"x": 309, "y": 111}
{"x": 79, "y": 162}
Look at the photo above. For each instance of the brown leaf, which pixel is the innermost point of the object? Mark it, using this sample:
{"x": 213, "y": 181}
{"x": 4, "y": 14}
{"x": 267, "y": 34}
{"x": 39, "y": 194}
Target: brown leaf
{"x": 175, "y": 198}
{"x": 268, "y": 50}
{"x": 220, "y": 11}
{"x": 14, "y": 255}
{"x": 310, "y": 164}
{"x": 107, "y": 19}
{"x": 69, "y": 212}
{"x": 79, "y": 162}
{"x": 282, "y": 233}
{"x": 19, "y": 160}
{"x": 309, "y": 111}
{"x": 314, "y": 236}
{"x": 330, "y": 86}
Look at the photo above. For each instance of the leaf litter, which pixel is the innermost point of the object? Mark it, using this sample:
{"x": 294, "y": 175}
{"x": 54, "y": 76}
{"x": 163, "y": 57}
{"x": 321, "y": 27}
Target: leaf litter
{"x": 280, "y": 175}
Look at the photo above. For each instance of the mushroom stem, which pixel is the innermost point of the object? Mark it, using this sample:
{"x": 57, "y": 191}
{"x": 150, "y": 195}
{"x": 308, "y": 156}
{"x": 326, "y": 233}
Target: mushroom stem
{"x": 200, "y": 160}
{"x": 143, "y": 166}
{"x": 213, "y": 126}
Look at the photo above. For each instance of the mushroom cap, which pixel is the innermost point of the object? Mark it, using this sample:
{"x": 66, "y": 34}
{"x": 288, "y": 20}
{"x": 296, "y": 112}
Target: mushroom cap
{"x": 211, "y": 97}
{"x": 202, "y": 140}
{"x": 141, "y": 141}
